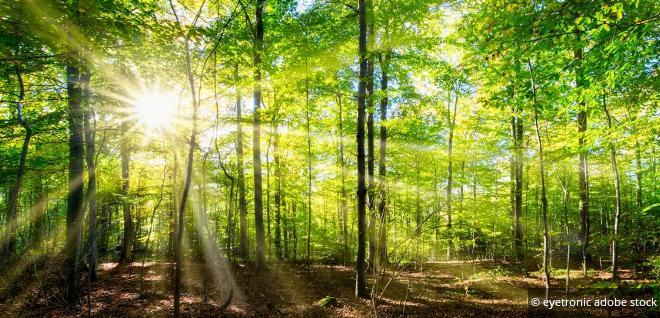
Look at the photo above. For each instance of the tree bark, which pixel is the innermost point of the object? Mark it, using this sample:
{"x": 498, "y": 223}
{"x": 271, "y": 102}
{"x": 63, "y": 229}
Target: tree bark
{"x": 382, "y": 164}
{"x": 360, "y": 283}
{"x": 517, "y": 127}
{"x": 565, "y": 198}
{"x": 638, "y": 178}
{"x": 371, "y": 149}
{"x": 256, "y": 136}
{"x": 583, "y": 172}
{"x": 342, "y": 190}
{"x": 242, "y": 203}
{"x": 127, "y": 241}
{"x": 14, "y": 193}
{"x": 40, "y": 211}
{"x": 90, "y": 156}
{"x": 178, "y": 255}
{"x": 309, "y": 172}
{"x": 75, "y": 190}
{"x": 617, "y": 203}
{"x": 278, "y": 193}
{"x": 544, "y": 199}
{"x": 451, "y": 122}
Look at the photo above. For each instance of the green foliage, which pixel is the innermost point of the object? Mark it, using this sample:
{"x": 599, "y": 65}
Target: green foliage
{"x": 472, "y": 53}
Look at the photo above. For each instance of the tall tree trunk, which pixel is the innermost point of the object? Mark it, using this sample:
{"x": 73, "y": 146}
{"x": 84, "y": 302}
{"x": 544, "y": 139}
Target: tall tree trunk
{"x": 360, "y": 282}
{"x": 517, "y": 127}
{"x": 474, "y": 211}
{"x": 638, "y": 177}
{"x": 40, "y": 209}
{"x": 127, "y": 242}
{"x": 343, "y": 204}
{"x": 617, "y": 193}
{"x": 278, "y": 197}
{"x": 256, "y": 136}
{"x": 14, "y": 193}
{"x": 294, "y": 232}
{"x": 544, "y": 199}
{"x": 565, "y": 198}
{"x": 178, "y": 254}
{"x": 583, "y": 172}
{"x": 278, "y": 193}
{"x": 90, "y": 156}
{"x": 242, "y": 203}
{"x": 75, "y": 191}
{"x": 371, "y": 149}
{"x": 309, "y": 172}
{"x": 268, "y": 169}
{"x": 106, "y": 211}
{"x": 382, "y": 164}
{"x": 285, "y": 230}
{"x": 418, "y": 213}
{"x": 451, "y": 122}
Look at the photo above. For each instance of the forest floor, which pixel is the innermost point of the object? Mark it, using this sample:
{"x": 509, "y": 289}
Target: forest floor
{"x": 438, "y": 289}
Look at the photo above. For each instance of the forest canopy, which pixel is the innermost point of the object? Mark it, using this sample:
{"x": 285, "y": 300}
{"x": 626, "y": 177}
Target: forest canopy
{"x": 179, "y": 154}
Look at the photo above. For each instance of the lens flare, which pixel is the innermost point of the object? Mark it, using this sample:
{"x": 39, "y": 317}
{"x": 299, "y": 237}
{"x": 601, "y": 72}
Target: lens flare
{"x": 155, "y": 110}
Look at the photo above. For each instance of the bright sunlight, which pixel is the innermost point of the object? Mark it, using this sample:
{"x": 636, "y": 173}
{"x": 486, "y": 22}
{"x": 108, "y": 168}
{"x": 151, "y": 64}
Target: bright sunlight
{"x": 155, "y": 109}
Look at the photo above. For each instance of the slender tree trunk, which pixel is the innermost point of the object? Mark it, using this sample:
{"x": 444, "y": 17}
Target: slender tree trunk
{"x": 544, "y": 199}
{"x": 638, "y": 177}
{"x": 14, "y": 193}
{"x": 382, "y": 164}
{"x": 242, "y": 203}
{"x": 40, "y": 213}
{"x": 256, "y": 136}
{"x": 371, "y": 150}
{"x": 268, "y": 169}
{"x": 294, "y": 232}
{"x": 309, "y": 172}
{"x": 474, "y": 211}
{"x": 583, "y": 172}
{"x": 360, "y": 282}
{"x": 451, "y": 122}
{"x": 106, "y": 211}
{"x": 178, "y": 255}
{"x": 75, "y": 192}
{"x": 617, "y": 204}
{"x": 343, "y": 204}
{"x": 90, "y": 154}
{"x": 278, "y": 194}
{"x": 285, "y": 230}
{"x": 127, "y": 242}
{"x": 418, "y": 213}
{"x": 565, "y": 187}
{"x": 517, "y": 126}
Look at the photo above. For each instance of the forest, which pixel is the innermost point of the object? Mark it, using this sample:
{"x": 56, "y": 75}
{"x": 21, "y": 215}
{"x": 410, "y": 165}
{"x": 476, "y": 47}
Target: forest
{"x": 329, "y": 158}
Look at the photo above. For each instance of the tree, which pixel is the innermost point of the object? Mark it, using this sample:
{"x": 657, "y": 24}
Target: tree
{"x": 382, "y": 159}
{"x": 360, "y": 283}
{"x": 75, "y": 189}
{"x": 517, "y": 130}
{"x": 12, "y": 206}
{"x": 451, "y": 123}
{"x": 127, "y": 242}
{"x": 544, "y": 199}
{"x": 617, "y": 198}
{"x": 583, "y": 170}
{"x": 90, "y": 159}
{"x": 256, "y": 135}
{"x": 242, "y": 204}
{"x": 371, "y": 149}
{"x": 178, "y": 250}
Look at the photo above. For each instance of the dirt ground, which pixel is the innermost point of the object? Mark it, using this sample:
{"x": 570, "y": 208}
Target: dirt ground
{"x": 438, "y": 289}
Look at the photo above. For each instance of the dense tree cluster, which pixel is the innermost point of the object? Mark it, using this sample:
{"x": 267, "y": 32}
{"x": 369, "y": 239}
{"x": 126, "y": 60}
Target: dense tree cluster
{"x": 367, "y": 133}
